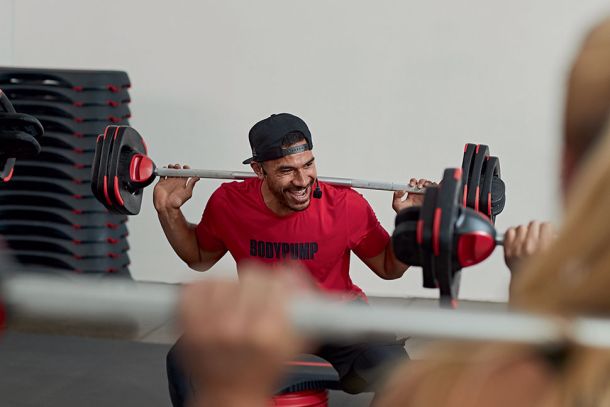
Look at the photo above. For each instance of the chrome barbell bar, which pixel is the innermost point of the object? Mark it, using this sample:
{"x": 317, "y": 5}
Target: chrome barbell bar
{"x": 109, "y": 302}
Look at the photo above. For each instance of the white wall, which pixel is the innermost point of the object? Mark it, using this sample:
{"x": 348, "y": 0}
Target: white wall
{"x": 6, "y": 31}
{"x": 390, "y": 88}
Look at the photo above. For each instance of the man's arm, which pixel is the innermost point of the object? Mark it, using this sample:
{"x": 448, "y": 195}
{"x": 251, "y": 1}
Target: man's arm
{"x": 183, "y": 239}
{"x": 168, "y": 197}
{"x": 385, "y": 264}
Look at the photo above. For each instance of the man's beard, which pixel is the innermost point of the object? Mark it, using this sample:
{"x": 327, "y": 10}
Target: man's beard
{"x": 295, "y": 199}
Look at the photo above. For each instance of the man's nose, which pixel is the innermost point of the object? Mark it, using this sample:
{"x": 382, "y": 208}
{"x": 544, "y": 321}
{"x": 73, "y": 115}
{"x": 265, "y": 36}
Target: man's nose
{"x": 300, "y": 179}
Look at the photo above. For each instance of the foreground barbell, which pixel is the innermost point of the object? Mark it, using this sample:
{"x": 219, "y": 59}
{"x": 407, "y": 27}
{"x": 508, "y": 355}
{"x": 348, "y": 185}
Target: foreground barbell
{"x": 442, "y": 236}
{"x": 121, "y": 170}
{"x": 112, "y": 303}
{"x": 19, "y": 135}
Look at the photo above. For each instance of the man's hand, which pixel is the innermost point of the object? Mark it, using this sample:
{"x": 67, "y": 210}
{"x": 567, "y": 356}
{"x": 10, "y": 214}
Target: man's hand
{"x": 171, "y": 193}
{"x": 238, "y": 337}
{"x": 522, "y": 241}
{"x": 399, "y": 201}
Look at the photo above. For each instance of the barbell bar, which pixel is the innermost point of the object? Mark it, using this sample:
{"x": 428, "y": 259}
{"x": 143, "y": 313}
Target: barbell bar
{"x": 107, "y": 302}
{"x": 347, "y": 182}
{"x": 121, "y": 169}
{"x": 243, "y": 175}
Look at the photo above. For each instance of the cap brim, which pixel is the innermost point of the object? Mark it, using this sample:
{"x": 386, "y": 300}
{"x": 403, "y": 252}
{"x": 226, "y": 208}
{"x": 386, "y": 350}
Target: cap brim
{"x": 248, "y": 161}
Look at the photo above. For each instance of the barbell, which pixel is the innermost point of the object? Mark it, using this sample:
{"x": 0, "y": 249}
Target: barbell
{"x": 18, "y": 138}
{"x": 442, "y": 236}
{"x": 108, "y": 303}
{"x": 121, "y": 170}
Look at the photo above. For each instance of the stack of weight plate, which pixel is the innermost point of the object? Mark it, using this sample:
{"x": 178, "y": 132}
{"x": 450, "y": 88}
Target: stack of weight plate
{"x": 48, "y": 215}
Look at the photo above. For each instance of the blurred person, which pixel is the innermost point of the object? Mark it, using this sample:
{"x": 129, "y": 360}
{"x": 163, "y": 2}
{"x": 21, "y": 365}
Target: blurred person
{"x": 585, "y": 116}
{"x": 569, "y": 276}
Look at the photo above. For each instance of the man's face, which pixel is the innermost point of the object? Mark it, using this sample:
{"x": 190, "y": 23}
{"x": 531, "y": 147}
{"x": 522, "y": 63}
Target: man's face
{"x": 291, "y": 178}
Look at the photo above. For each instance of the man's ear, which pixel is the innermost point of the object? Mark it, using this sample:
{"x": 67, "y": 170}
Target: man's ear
{"x": 258, "y": 169}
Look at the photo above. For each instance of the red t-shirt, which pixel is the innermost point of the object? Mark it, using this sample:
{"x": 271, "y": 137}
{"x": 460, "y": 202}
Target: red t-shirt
{"x": 321, "y": 237}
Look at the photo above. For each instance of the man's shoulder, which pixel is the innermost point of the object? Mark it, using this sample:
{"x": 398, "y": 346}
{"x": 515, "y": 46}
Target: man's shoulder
{"x": 342, "y": 198}
{"x": 339, "y": 192}
{"x": 235, "y": 195}
{"x": 228, "y": 189}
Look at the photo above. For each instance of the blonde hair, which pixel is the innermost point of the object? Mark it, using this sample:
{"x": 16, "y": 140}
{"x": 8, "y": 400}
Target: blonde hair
{"x": 585, "y": 380}
{"x": 588, "y": 91}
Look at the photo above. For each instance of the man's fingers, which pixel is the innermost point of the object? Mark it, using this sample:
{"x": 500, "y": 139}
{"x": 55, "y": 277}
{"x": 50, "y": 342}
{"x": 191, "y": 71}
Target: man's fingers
{"x": 190, "y": 184}
{"x": 399, "y": 194}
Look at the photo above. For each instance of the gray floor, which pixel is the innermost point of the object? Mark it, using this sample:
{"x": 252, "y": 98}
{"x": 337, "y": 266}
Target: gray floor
{"x": 39, "y": 370}
{"x": 67, "y": 364}
{"x": 50, "y": 370}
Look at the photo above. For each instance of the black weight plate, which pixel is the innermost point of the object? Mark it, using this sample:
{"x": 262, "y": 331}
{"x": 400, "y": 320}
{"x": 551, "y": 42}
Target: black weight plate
{"x": 424, "y": 236}
{"x": 67, "y": 95}
{"x": 71, "y": 201}
{"x": 61, "y": 216}
{"x": 498, "y": 196}
{"x": 491, "y": 169}
{"x": 57, "y": 186}
{"x": 61, "y": 246}
{"x": 95, "y": 169}
{"x": 68, "y": 142}
{"x": 18, "y": 144}
{"x": 7, "y": 164}
{"x": 5, "y": 104}
{"x": 49, "y": 200}
{"x": 103, "y": 188}
{"x": 77, "y": 113}
{"x": 404, "y": 237}
{"x": 473, "y": 200}
{"x": 52, "y": 170}
{"x": 21, "y": 122}
{"x": 443, "y": 233}
{"x": 75, "y": 79}
{"x": 70, "y": 157}
{"x": 122, "y": 273}
{"x": 127, "y": 143}
{"x": 54, "y": 260}
{"x": 467, "y": 162}
{"x": 66, "y": 232}
{"x": 63, "y": 125}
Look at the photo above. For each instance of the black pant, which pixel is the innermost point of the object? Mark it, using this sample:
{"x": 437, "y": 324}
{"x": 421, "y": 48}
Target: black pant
{"x": 361, "y": 367}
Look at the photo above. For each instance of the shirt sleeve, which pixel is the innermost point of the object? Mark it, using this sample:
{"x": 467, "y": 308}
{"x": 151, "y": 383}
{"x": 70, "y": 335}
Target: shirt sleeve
{"x": 367, "y": 238}
{"x": 208, "y": 232}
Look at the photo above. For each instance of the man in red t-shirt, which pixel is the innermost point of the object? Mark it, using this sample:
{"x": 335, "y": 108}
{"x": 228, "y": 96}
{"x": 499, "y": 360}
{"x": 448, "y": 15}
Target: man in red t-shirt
{"x": 286, "y": 214}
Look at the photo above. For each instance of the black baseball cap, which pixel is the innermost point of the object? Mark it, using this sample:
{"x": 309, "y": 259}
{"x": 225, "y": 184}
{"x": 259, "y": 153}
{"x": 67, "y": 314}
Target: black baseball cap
{"x": 266, "y": 137}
